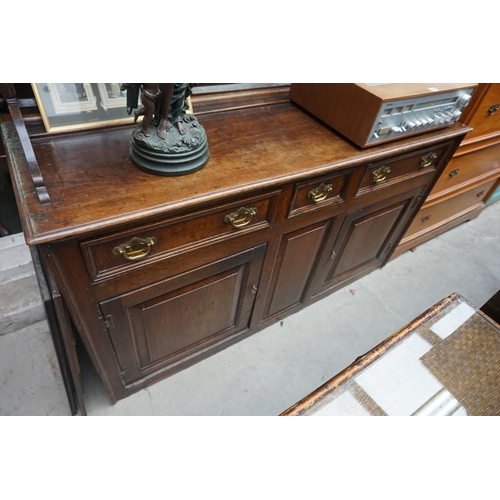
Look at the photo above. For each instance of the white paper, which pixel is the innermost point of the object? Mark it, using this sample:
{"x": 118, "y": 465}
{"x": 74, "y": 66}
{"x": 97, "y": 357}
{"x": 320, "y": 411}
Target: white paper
{"x": 398, "y": 382}
{"x": 447, "y": 325}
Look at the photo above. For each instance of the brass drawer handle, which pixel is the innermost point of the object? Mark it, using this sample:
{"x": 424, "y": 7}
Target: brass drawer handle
{"x": 454, "y": 172}
{"x": 493, "y": 109}
{"x": 241, "y": 218}
{"x": 136, "y": 248}
{"x": 480, "y": 193}
{"x": 381, "y": 174}
{"x": 428, "y": 160}
{"x": 426, "y": 218}
{"x": 320, "y": 193}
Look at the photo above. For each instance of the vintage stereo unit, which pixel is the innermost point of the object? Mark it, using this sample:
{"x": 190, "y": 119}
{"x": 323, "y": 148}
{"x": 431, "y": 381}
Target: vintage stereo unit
{"x": 372, "y": 113}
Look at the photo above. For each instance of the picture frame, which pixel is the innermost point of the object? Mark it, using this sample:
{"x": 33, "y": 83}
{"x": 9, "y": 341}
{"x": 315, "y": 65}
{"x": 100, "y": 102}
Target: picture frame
{"x": 80, "y": 106}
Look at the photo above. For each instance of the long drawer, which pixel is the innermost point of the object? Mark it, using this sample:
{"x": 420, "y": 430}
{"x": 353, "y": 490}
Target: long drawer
{"x": 383, "y": 175}
{"x": 109, "y": 255}
{"x": 468, "y": 167}
{"x": 435, "y": 214}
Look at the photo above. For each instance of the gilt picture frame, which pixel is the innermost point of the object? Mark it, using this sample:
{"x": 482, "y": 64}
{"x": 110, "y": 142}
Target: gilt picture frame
{"x": 80, "y": 106}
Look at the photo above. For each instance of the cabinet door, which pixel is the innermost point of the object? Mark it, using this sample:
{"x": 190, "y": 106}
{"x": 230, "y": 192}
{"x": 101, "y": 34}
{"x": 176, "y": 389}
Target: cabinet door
{"x": 297, "y": 254}
{"x": 365, "y": 240}
{"x": 165, "y": 325}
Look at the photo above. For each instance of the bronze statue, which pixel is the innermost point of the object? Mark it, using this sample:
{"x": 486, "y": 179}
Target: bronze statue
{"x": 169, "y": 141}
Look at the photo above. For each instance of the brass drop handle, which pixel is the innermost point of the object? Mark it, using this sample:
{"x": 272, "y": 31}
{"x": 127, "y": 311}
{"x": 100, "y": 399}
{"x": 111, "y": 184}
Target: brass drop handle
{"x": 320, "y": 193}
{"x": 493, "y": 109}
{"x": 381, "y": 174}
{"x": 241, "y": 218}
{"x": 454, "y": 172}
{"x": 428, "y": 160}
{"x": 136, "y": 248}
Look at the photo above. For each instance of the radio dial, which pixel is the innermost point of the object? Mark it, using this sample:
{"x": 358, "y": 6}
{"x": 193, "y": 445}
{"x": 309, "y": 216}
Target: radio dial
{"x": 456, "y": 115}
{"x": 464, "y": 100}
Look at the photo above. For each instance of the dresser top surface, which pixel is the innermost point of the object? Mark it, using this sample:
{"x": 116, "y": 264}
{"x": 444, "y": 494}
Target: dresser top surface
{"x": 94, "y": 186}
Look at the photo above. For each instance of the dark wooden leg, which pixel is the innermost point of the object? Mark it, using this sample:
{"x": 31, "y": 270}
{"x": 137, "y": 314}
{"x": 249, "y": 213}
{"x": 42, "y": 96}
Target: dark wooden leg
{"x": 492, "y": 308}
{"x": 4, "y": 230}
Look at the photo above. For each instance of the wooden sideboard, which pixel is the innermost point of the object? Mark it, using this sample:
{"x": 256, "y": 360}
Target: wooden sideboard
{"x": 159, "y": 273}
{"x": 470, "y": 177}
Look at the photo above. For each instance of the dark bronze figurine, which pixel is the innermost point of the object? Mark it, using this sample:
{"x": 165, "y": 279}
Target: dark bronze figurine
{"x": 169, "y": 141}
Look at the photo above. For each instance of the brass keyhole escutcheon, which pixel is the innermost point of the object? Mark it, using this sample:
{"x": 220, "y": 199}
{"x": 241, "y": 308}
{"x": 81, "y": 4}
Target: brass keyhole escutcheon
{"x": 380, "y": 175}
{"x": 428, "y": 160}
{"x": 320, "y": 193}
{"x": 241, "y": 218}
{"x": 136, "y": 248}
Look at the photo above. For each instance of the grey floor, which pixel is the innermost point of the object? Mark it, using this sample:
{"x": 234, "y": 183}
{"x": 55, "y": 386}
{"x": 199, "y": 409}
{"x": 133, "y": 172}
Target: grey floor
{"x": 273, "y": 369}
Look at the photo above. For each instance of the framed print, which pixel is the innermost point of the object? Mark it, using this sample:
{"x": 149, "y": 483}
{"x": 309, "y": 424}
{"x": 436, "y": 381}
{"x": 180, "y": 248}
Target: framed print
{"x": 77, "y": 106}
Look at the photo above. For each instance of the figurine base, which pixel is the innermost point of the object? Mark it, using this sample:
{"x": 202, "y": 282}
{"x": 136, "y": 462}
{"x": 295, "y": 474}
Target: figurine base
{"x": 176, "y": 154}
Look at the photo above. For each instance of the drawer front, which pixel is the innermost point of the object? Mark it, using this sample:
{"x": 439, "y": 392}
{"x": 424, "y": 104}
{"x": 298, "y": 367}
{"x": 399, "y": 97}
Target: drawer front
{"x": 439, "y": 212}
{"x": 109, "y": 255}
{"x": 320, "y": 192}
{"x": 466, "y": 168}
{"x": 486, "y": 119}
{"x": 382, "y": 174}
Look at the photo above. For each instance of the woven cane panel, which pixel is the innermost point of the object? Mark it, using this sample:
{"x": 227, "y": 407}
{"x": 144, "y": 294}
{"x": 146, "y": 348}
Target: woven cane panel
{"x": 444, "y": 364}
{"x": 467, "y": 363}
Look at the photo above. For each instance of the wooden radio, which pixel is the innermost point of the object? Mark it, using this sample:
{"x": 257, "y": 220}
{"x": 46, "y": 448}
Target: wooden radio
{"x": 372, "y": 113}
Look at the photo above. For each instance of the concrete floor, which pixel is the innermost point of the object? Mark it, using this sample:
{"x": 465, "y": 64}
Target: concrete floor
{"x": 273, "y": 369}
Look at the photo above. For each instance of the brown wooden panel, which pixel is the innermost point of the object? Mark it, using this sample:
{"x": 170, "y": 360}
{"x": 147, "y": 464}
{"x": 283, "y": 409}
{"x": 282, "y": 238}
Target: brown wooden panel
{"x": 485, "y": 120}
{"x": 174, "y": 235}
{"x": 364, "y": 241}
{"x": 410, "y": 242}
{"x": 296, "y": 257}
{"x": 160, "y": 326}
{"x": 366, "y": 235}
{"x": 468, "y": 168}
{"x": 432, "y": 215}
{"x": 172, "y": 322}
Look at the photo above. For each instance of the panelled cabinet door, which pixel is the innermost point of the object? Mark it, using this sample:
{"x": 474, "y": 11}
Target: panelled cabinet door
{"x": 160, "y": 326}
{"x": 295, "y": 261}
{"x": 364, "y": 240}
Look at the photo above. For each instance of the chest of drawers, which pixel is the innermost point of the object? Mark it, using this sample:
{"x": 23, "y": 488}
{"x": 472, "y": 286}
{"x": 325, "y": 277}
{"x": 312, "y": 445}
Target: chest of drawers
{"x": 158, "y": 273}
{"x": 470, "y": 177}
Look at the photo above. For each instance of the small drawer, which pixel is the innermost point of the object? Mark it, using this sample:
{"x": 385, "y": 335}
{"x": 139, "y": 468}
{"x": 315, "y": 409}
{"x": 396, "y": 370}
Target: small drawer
{"x": 486, "y": 119}
{"x": 320, "y": 192}
{"x": 437, "y": 213}
{"x": 109, "y": 255}
{"x": 465, "y": 168}
{"x": 391, "y": 171}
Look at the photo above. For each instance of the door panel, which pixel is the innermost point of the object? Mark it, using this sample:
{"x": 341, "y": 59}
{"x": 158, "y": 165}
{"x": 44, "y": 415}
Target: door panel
{"x": 178, "y": 318}
{"x": 296, "y": 257}
{"x": 365, "y": 240}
